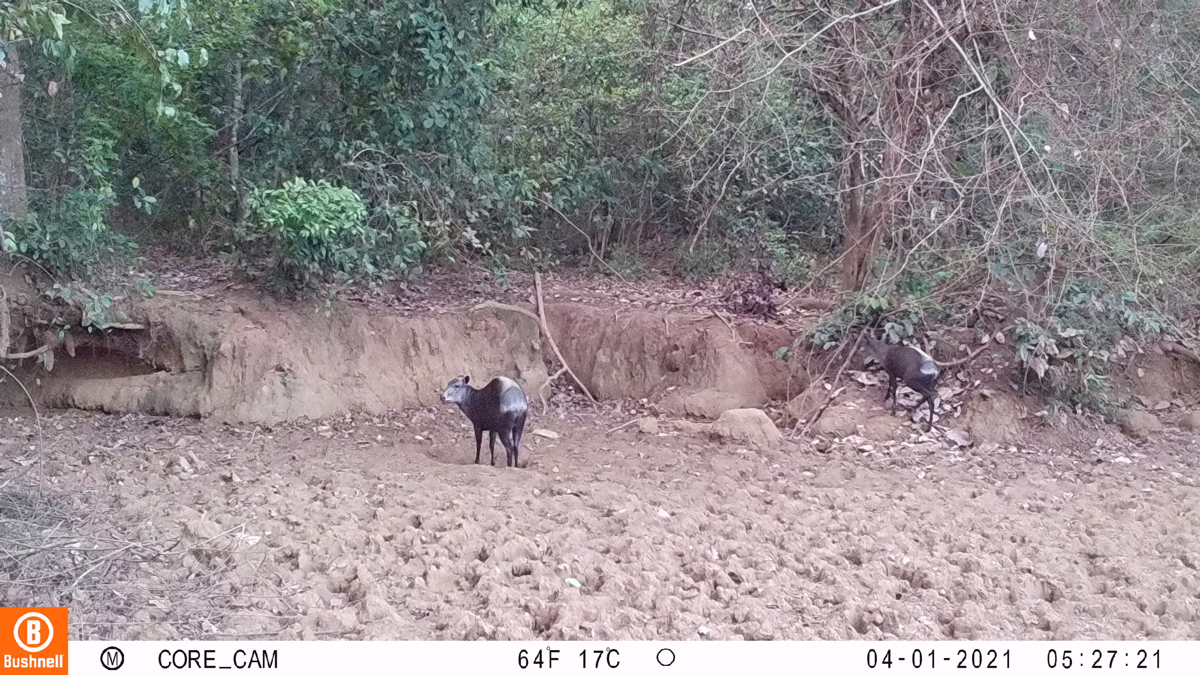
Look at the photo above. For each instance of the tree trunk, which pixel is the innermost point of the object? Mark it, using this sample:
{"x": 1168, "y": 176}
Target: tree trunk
{"x": 12, "y": 143}
{"x": 235, "y": 174}
{"x": 855, "y": 259}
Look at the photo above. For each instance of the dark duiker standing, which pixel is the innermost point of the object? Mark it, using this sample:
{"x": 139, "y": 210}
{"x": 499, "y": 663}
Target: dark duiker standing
{"x": 909, "y": 365}
{"x": 499, "y": 408}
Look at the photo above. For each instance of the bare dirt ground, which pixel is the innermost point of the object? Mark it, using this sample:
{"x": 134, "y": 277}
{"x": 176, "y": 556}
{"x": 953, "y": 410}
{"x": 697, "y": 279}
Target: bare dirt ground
{"x": 382, "y": 528}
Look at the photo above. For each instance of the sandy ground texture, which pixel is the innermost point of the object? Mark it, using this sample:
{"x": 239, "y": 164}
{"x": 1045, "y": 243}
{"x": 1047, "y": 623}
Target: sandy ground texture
{"x": 381, "y": 528}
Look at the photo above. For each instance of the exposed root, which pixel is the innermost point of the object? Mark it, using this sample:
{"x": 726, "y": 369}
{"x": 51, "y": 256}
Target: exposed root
{"x": 1178, "y": 349}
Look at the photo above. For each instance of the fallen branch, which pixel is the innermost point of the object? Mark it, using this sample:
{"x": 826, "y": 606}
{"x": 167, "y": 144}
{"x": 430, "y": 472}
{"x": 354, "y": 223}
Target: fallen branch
{"x": 488, "y": 304}
{"x": 36, "y": 416}
{"x": 618, "y": 428}
{"x": 964, "y": 359}
{"x": 1176, "y": 348}
{"x": 5, "y": 322}
{"x": 821, "y": 411}
{"x": 537, "y": 285}
{"x": 28, "y": 355}
{"x": 835, "y": 392}
{"x": 808, "y": 303}
{"x": 726, "y": 322}
{"x": 540, "y": 317}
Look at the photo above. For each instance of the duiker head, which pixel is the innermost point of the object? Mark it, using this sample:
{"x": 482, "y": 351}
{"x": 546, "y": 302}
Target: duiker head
{"x": 875, "y": 348}
{"x": 458, "y": 390}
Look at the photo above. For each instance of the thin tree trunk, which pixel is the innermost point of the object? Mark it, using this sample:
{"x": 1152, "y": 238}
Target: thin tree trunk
{"x": 853, "y": 224}
{"x": 234, "y": 169}
{"x": 12, "y": 143}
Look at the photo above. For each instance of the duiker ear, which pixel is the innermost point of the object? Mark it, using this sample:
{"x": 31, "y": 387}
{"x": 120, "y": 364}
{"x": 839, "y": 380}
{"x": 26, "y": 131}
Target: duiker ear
{"x": 466, "y": 379}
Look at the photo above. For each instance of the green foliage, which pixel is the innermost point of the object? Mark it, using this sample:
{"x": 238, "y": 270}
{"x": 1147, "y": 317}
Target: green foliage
{"x": 706, "y": 260}
{"x": 859, "y": 312}
{"x": 98, "y": 311}
{"x": 781, "y": 252}
{"x": 307, "y": 214}
{"x": 1068, "y": 356}
{"x": 69, "y": 234}
{"x": 1062, "y": 361}
{"x": 899, "y": 315}
{"x": 31, "y": 19}
{"x": 312, "y": 229}
{"x": 458, "y": 123}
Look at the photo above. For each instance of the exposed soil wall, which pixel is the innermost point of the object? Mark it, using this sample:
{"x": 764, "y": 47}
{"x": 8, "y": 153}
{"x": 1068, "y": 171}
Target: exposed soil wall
{"x": 255, "y": 365}
{"x": 643, "y": 354}
{"x": 245, "y": 361}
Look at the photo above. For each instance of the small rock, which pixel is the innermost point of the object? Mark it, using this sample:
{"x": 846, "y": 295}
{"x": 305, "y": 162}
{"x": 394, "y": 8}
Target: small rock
{"x": 958, "y": 437}
{"x": 375, "y": 608}
{"x": 437, "y": 579}
{"x": 203, "y": 530}
{"x": 706, "y": 403}
{"x": 1190, "y": 421}
{"x": 1139, "y": 424}
{"x": 840, "y": 422}
{"x": 747, "y": 424}
{"x": 662, "y": 513}
{"x": 1123, "y": 460}
{"x": 545, "y": 433}
{"x": 702, "y": 630}
{"x": 185, "y": 465}
{"x": 648, "y": 425}
{"x": 342, "y": 620}
{"x": 690, "y": 427}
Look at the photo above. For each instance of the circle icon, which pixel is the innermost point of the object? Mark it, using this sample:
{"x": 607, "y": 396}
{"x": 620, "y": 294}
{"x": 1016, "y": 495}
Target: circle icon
{"x": 34, "y": 633}
{"x": 665, "y": 657}
{"x": 112, "y": 658}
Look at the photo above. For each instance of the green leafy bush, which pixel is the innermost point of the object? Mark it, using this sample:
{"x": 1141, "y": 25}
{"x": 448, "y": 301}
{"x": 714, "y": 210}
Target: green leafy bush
{"x": 1069, "y": 356}
{"x": 68, "y": 234}
{"x": 897, "y": 315}
{"x": 624, "y": 261}
{"x": 313, "y": 229}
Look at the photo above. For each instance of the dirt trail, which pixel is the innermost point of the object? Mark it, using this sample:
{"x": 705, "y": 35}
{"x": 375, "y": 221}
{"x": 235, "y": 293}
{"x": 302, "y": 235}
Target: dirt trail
{"x": 380, "y": 528}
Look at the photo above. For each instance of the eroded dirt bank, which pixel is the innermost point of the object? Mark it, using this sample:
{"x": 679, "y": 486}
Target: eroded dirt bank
{"x": 244, "y": 363}
{"x": 243, "y": 360}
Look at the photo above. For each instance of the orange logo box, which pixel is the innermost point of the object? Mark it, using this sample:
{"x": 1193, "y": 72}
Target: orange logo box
{"x": 33, "y": 640}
